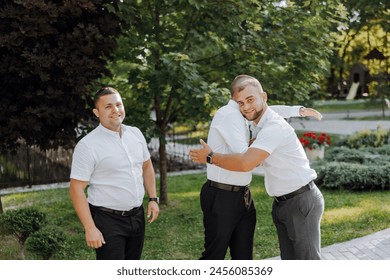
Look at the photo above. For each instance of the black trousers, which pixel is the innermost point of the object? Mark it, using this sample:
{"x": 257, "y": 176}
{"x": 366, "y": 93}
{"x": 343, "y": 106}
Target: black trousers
{"x": 124, "y": 235}
{"x": 227, "y": 224}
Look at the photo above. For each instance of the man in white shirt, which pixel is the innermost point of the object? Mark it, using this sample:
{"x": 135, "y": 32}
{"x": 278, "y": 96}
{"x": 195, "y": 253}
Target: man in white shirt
{"x": 229, "y": 215}
{"x": 114, "y": 162}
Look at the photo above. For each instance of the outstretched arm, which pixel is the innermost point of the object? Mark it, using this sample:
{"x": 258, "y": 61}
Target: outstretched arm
{"x": 295, "y": 111}
{"x": 309, "y": 112}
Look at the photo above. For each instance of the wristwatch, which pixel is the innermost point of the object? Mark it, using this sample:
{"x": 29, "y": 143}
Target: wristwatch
{"x": 209, "y": 158}
{"x": 157, "y": 199}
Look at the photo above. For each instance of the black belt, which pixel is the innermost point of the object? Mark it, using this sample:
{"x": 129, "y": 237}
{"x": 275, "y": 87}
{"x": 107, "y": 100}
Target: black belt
{"x": 118, "y": 212}
{"x": 226, "y": 187}
{"x": 303, "y": 189}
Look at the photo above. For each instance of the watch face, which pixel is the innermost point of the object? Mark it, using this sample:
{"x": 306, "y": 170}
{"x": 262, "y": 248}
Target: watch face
{"x": 209, "y": 158}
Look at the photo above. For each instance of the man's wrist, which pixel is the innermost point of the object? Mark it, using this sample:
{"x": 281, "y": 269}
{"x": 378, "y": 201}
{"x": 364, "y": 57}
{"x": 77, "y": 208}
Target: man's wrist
{"x": 302, "y": 111}
{"x": 209, "y": 158}
{"x": 156, "y": 199}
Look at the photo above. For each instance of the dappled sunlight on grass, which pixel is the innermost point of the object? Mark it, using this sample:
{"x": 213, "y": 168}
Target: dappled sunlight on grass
{"x": 343, "y": 214}
{"x": 185, "y": 195}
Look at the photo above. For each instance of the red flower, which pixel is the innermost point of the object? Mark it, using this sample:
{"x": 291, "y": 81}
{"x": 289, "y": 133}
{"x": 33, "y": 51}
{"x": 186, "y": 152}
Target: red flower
{"x": 312, "y": 140}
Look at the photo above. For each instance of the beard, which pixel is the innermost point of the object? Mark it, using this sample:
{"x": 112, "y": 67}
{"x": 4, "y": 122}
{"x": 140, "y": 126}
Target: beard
{"x": 256, "y": 114}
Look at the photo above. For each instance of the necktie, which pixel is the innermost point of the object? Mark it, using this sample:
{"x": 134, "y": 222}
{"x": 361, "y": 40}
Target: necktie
{"x": 253, "y": 130}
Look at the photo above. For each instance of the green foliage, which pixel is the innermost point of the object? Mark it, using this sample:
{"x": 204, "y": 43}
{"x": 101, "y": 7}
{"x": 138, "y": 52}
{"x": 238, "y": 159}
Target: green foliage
{"x": 370, "y": 155}
{"x": 355, "y": 169}
{"x": 179, "y": 57}
{"x": 22, "y": 222}
{"x": 50, "y": 52}
{"x": 368, "y": 138}
{"x": 47, "y": 241}
{"x": 350, "y": 176}
{"x": 364, "y": 28}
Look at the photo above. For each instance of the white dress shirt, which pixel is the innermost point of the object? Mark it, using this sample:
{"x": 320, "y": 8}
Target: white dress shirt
{"x": 112, "y": 164}
{"x": 287, "y": 168}
{"x": 228, "y": 134}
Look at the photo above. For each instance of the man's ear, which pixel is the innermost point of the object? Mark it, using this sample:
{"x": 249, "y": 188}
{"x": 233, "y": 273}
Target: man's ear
{"x": 96, "y": 112}
{"x": 264, "y": 96}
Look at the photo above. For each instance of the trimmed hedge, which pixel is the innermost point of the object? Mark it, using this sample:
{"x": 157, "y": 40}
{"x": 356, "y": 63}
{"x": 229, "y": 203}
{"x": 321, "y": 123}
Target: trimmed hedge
{"x": 355, "y": 169}
{"x": 370, "y": 155}
{"x": 353, "y": 176}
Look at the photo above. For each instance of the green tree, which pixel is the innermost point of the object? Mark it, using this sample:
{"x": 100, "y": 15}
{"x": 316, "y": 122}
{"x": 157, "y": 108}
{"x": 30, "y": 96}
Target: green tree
{"x": 22, "y": 223}
{"x": 177, "y": 58}
{"x": 50, "y": 51}
{"x": 364, "y": 27}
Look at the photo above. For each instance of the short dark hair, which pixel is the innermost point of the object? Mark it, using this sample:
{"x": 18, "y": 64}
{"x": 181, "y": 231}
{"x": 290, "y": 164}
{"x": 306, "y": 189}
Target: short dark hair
{"x": 103, "y": 91}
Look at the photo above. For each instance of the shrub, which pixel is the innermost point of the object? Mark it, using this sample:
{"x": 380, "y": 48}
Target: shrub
{"x": 369, "y": 155}
{"x": 368, "y": 138}
{"x": 383, "y": 150}
{"x": 344, "y": 154}
{"x": 46, "y": 242}
{"x": 22, "y": 223}
{"x": 353, "y": 176}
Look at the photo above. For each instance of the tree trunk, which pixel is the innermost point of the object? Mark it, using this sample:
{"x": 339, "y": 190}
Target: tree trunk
{"x": 163, "y": 166}
{"x": 22, "y": 253}
{"x": 28, "y": 166}
{"x": 1, "y": 206}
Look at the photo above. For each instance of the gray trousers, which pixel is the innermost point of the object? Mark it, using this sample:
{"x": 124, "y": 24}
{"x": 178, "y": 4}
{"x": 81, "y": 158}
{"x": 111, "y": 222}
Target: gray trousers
{"x": 297, "y": 222}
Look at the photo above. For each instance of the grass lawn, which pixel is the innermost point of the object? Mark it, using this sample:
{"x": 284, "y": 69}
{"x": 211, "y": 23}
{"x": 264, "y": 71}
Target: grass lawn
{"x": 178, "y": 233}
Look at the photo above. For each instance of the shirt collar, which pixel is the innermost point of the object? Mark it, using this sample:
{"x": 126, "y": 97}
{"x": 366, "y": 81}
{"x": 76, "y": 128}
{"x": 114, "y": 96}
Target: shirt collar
{"x": 108, "y": 131}
{"x": 264, "y": 118}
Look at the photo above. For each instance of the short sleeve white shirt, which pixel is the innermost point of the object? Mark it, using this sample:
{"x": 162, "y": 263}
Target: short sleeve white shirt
{"x": 287, "y": 168}
{"x": 228, "y": 134}
{"x": 112, "y": 164}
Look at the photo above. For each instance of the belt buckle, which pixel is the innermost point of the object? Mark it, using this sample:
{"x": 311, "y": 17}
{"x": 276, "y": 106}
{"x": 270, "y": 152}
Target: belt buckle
{"x": 282, "y": 198}
{"x": 123, "y": 213}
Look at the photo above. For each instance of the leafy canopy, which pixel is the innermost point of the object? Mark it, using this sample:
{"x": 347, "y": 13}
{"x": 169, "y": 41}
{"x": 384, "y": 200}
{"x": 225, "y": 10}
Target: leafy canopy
{"x": 50, "y": 51}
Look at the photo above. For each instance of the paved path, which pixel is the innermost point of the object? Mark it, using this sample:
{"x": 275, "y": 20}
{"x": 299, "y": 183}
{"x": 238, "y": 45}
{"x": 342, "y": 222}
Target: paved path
{"x": 375, "y": 246}
{"x": 371, "y": 247}
{"x": 336, "y": 123}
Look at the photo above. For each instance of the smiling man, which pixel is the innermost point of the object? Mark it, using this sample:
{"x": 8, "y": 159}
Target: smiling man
{"x": 114, "y": 162}
{"x": 298, "y": 205}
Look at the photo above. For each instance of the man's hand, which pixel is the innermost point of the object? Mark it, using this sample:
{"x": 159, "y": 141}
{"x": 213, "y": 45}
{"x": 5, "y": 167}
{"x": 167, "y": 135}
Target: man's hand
{"x": 200, "y": 155}
{"x": 94, "y": 238}
{"x": 153, "y": 211}
{"x": 309, "y": 112}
